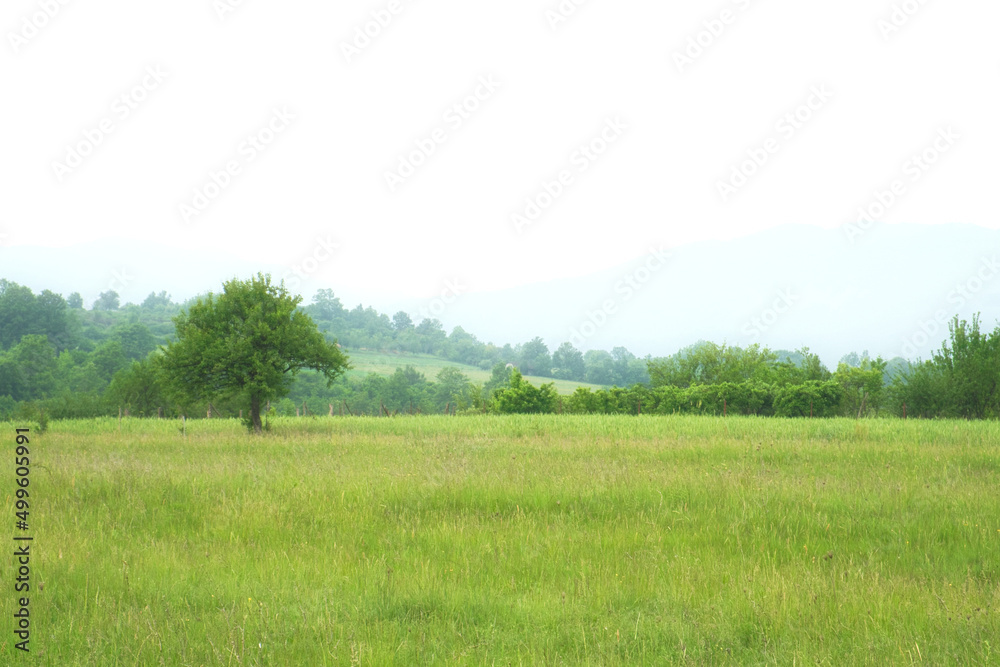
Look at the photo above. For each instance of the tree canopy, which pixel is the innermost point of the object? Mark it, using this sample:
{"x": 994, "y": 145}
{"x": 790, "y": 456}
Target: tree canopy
{"x": 65, "y": 361}
{"x": 247, "y": 343}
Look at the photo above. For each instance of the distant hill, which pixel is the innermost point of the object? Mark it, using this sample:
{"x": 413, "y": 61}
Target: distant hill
{"x": 386, "y": 363}
{"x": 786, "y": 288}
{"x": 886, "y": 292}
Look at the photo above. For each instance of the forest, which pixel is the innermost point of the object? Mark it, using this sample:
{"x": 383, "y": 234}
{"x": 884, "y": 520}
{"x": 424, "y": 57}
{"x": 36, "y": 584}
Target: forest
{"x": 60, "y": 359}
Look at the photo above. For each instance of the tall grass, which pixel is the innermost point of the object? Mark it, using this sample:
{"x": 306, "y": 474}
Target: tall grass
{"x": 514, "y": 540}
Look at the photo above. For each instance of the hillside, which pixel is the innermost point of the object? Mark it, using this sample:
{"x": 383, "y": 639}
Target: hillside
{"x": 882, "y": 292}
{"x": 364, "y": 362}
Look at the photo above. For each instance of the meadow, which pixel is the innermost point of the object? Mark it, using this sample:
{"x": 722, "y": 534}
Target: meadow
{"x": 364, "y": 362}
{"x": 511, "y": 540}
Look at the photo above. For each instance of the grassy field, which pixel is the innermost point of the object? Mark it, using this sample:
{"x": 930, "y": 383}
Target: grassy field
{"x": 512, "y": 540}
{"x": 364, "y": 362}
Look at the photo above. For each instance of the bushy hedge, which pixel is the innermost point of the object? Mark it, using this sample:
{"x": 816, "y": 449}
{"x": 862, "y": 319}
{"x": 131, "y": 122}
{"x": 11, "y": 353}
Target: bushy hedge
{"x": 812, "y": 399}
{"x": 823, "y": 399}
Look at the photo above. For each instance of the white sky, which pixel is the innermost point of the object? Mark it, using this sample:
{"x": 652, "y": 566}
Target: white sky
{"x": 681, "y": 132}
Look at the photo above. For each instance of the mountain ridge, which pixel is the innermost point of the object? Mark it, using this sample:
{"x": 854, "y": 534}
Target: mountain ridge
{"x": 786, "y": 287}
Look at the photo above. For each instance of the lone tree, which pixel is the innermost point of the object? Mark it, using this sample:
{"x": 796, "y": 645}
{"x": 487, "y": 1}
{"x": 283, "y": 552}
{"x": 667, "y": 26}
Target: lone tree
{"x": 247, "y": 343}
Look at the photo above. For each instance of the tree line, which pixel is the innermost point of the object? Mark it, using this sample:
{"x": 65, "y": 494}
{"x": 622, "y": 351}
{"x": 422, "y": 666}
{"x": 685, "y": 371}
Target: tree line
{"x": 64, "y": 361}
{"x": 67, "y": 360}
{"x": 362, "y": 327}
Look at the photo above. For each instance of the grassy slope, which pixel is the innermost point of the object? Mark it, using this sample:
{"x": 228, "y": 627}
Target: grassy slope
{"x": 514, "y": 540}
{"x": 367, "y": 361}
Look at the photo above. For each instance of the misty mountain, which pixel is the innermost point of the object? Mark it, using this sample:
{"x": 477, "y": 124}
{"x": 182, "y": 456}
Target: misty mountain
{"x": 891, "y": 291}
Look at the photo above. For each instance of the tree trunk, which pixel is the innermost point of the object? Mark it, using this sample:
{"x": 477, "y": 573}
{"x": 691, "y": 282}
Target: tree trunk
{"x": 255, "y": 414}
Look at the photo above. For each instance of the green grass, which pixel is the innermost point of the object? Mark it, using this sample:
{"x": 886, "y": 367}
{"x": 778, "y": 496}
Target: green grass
{"x": 513, "y": 540}
{"x": 364, "y": 362}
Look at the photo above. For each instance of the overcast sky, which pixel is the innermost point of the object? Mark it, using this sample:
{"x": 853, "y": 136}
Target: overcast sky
{"x": 394, "y": 146}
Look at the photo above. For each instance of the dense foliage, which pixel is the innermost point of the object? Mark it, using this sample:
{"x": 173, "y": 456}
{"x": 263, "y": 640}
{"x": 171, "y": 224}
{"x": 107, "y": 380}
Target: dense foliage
{"x": 60, "y": 360}
{"x": 245, "y": 344}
